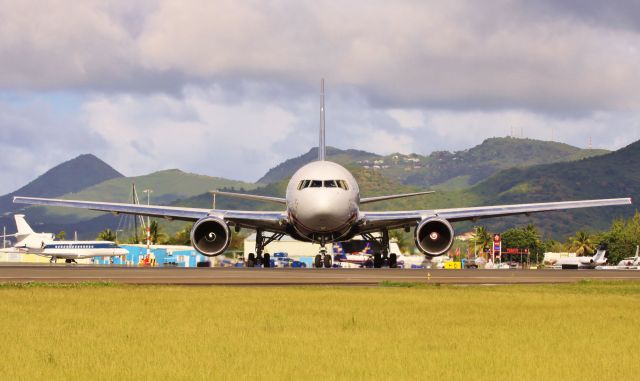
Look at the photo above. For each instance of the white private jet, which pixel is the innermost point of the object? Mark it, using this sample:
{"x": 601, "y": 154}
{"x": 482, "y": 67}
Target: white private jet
{"x": 44, "y": 244}
{"x": 322, "y": 205}
{"x": 583, "y": 262}
{"x": 631, "y": 261}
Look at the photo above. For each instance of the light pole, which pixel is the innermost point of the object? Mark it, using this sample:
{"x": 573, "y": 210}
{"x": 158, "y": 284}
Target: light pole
{"x": 148, "y": 192}
{"x": 118, "y": 230}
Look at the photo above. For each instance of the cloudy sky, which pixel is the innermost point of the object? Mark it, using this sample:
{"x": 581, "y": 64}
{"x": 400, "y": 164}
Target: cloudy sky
{"x": 230, "y": 88}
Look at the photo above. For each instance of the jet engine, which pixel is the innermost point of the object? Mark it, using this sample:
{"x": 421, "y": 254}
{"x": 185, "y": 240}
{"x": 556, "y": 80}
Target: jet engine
{"x": 434, "y": 236}
{"x": 210, "y": 236}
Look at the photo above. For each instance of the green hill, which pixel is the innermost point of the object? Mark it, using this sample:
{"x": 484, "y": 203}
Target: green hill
{"x": 168, "y": 186}
{"x": 447, "y": 170}
{"x": 463, "y": 168}
{"x": 608, "y": 176}
{"x": 287, "y": 168}
{"x": 71, "y": 176}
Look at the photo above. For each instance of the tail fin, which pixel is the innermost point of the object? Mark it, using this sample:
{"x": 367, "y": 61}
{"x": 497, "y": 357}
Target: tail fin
{"x": 599, "y": 256}
{"x": 322, "y": 149}
{"x": 22, "y": 225}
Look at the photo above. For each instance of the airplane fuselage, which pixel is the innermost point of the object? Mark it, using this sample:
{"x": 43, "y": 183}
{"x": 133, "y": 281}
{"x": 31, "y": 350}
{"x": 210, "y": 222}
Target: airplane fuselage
{"x": 323, "y": 202}
{"x": 78, "y": 249}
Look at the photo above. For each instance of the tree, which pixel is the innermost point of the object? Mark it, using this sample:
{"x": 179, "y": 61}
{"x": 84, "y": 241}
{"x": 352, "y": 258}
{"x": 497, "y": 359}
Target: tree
{"x": 157, "y": 235}
{"x": 61, "y": 236}
{"x": 403, "y": 238}
{"x": 106, "y": 235}
{"x": 526, "y": 237}
{"x": 582, "y": 243}
{"x": 482, "y": 239}
{"x": 183, "y": 236}
{"x": 622, "y": 238}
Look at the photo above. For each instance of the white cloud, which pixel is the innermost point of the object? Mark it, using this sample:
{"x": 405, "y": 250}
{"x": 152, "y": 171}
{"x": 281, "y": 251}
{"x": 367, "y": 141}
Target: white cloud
{"x": 502, "y": 54}
{"x": 195, "y": 132}
{"x": 229, "y": 88}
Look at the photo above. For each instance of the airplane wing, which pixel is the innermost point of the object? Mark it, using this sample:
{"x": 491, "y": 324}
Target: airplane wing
{"x": 252, "y": 197}
{"x": 372, "y": 221}
{"x": 271, "y": 221}
{"x": 367, "y": 200}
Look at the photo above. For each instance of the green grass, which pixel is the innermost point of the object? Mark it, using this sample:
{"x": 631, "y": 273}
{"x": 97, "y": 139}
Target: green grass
{"x": 585, "y": 331}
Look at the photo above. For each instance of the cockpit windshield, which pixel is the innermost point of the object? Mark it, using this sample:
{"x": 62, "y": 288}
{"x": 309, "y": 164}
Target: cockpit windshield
{"x": 342, "y": 184}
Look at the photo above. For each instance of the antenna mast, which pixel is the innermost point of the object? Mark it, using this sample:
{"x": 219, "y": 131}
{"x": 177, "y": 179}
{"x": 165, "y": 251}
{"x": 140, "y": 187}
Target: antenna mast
{"x": 321, "y": 145}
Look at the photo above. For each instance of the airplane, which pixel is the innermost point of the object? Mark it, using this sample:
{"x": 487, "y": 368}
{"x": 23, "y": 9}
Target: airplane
{"x": 322, "y": 205}
{"x": 583, "y": 262}
{"x": 44, "y": 244}
{"x": 631, "y": 261}
{"x": 361, "y": 258}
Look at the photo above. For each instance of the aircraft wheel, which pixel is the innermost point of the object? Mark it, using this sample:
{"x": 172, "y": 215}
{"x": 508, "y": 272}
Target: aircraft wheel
{"x": 266, "y": 260}
{"x": 377, "y": 260}
{"x": 393, "y": 261}
{"x": 327, "y": 261}
{"x": 68, "y": 261}
{"x": 318, "y": 261}
{"x": 251, "y": 260}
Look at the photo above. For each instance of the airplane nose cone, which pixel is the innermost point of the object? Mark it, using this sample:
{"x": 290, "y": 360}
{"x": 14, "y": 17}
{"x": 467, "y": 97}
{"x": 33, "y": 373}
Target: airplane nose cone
{"x": 324, "y": 212}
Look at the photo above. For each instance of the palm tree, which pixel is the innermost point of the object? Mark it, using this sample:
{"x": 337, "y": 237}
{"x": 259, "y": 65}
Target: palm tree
{"x": 157, "y": 235}
{"x": 107, "y": 235}
{"x": 581, "y": 243}
{"x": 482, "y": 238}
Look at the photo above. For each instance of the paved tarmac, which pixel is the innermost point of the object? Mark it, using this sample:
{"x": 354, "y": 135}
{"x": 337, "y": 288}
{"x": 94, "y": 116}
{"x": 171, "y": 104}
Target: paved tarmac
{"x": 287, "y": 276}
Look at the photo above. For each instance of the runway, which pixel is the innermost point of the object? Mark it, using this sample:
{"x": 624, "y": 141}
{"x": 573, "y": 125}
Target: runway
{"x": 287, "y": 276}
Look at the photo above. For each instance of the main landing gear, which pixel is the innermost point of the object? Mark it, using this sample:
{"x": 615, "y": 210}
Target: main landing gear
{"x": 260, "y": 259}
{"x": 323, "y": 259}
{"x": 382, "y": 257}
{"x": 70, "y": 261}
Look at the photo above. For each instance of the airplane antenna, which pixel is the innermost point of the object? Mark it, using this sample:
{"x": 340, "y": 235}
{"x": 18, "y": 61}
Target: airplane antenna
{"x": 321, "y": 146}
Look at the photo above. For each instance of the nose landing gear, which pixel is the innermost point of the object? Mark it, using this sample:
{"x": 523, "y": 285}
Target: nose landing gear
{"x": 323, "y": 259}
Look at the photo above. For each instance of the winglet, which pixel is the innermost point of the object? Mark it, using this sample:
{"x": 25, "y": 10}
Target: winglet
{"x": 322, "y": 146}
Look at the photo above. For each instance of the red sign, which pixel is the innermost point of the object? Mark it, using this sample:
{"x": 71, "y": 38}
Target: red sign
{"x": 497, "y": 245}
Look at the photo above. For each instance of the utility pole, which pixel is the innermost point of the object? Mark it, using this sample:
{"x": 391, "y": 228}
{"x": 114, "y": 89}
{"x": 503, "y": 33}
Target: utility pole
{"x": 148, "y": 192}
{"x": 214, "y": 199}
{"x": 4, "y": 237}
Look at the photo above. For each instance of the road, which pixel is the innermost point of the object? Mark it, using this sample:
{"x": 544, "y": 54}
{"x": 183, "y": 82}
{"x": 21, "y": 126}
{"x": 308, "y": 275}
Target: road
{"x": 255, "y": 276}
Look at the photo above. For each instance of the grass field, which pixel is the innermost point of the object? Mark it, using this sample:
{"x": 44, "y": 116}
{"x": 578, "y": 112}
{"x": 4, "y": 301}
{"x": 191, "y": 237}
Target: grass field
{"x": 586, "y": 331}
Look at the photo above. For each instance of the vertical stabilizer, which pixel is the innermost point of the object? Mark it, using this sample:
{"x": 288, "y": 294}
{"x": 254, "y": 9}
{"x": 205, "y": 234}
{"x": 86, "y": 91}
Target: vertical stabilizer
{"x": 322, "y": 150}
{"x": 22, "y": 225}
{"x": 600, "y": 254}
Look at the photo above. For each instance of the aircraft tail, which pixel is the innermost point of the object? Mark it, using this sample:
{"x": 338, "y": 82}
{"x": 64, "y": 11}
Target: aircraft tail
{"x": 22, "y": 225}
{"x": 26, "y": 237}
{"x": 600, "y": 254}
{"x": 322, "y": 149}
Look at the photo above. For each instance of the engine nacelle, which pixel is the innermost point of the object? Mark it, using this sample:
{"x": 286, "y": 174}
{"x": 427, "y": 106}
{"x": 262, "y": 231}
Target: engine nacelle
{"x": 210, "y": 236}
{"x": 434, "y": 236}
